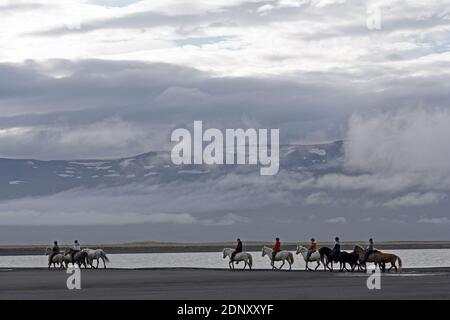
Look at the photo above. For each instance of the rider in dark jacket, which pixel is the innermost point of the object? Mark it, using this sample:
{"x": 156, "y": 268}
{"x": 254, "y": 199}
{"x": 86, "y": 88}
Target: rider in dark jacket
{"x": 369, "y": 249}
{"x": 55, "y": 250}
{"x": 336, "y": 249}
{"x": 237, "y": 250}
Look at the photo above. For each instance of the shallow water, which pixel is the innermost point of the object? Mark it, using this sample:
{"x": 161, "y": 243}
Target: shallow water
{"x": 411, "y": 258}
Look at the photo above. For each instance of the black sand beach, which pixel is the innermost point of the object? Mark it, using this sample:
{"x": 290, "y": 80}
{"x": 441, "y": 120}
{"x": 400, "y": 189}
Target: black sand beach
{"x": 432, "y": 283}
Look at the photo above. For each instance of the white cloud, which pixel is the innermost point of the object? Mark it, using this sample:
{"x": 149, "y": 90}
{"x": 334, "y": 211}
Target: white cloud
{"x": 319, "y": 198}
{"x": 146, "y": 30}
{"x": 336, "y": 220}
{"x": 440, "y": 220}
{"x": 416, "y": 199}
{"x": 409, "y": 140}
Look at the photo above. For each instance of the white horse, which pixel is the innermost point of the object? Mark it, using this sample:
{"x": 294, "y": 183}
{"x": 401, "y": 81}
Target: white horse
{"x": 315, "y": 256}
{"x": 96, "y": 254}
{"x": 57, "y": 259}
{"x": 241, "y": 256}
{"x": 280, "y": 256}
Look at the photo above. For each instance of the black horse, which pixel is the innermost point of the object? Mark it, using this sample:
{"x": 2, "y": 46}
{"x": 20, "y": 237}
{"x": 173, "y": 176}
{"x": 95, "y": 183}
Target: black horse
{"x": 325, "y": 258}
{"x": 347, "y": 257}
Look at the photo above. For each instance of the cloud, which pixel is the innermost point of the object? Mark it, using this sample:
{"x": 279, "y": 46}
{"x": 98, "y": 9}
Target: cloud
{"x": 92, "y": 214}
{"x": 416, "y": 199}
{"x": 90, "y": 108}
{"x": 336, "y": 220}
{"x": 301, "y": 30}
{"x": 440, "y": 220}
{"x": 407, "y": 140}
{"x": 319, "y": 198}
{"x": 88, "y": 80}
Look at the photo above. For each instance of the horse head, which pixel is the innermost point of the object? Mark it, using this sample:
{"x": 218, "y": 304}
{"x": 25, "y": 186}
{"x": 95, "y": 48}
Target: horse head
{"x": 358, "y": 249}
{"x": 48, "y": 251}
{"x": 226, "y": 252}
{"x": 300, "y": 249}
{"x": 265, "y": 251}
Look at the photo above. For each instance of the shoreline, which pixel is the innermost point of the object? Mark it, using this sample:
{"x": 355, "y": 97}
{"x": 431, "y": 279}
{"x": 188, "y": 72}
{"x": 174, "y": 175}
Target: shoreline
{"x": 405, "y": 271}
{"x": 167, "y": 247}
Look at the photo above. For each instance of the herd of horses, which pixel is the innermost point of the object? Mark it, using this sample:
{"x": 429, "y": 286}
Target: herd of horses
{"x": 81, "y": 258}
{"x": 356, "y": 258}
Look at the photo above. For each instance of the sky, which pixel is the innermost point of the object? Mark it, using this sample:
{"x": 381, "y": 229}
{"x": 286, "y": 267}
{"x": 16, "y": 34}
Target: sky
{"x": 106, "y": 79}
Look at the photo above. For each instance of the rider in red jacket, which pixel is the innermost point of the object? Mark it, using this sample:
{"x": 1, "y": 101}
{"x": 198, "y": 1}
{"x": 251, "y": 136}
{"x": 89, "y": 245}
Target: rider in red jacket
{"x": 276, "y": 248}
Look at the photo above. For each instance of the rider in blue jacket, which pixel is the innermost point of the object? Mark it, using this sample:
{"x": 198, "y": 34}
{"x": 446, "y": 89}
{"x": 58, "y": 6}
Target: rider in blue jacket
{"x": 336, "y": 249}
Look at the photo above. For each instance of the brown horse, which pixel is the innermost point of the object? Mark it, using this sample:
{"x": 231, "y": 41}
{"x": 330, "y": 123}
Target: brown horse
{"x": 379, "y": 258}
{"x": 391, "y": 258}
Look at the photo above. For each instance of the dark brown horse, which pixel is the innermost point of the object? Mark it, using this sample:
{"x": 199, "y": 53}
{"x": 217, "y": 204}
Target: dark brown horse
{"x": 344, "y": 257}
{"x": 325, "y": 258}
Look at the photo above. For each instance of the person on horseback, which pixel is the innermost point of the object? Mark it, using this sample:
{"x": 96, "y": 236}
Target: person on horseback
{"x": 276, "y": 248}
{"x": 76, "y": 248}
{"x": 369, "y": 249}
{"x": 237, "y": 250}
{"x": 312, "y": 249}
{"x": 55, "y": 250}
{"x": 336, "y": 249}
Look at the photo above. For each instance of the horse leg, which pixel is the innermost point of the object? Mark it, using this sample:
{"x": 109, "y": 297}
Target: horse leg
{"x": 284, "y": 261}
{"x": 97, "y": 263}
{"x": 392, "y": 266}
{"x": 245, "y": 264}
{"x": 318, "y": 265}
{"x": 104, "y": 263}
{"x": 273, "y": 265}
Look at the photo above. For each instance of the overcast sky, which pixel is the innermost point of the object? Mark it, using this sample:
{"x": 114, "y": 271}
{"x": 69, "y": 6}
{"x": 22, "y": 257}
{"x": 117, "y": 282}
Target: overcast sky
{"x": 104, "y": 79}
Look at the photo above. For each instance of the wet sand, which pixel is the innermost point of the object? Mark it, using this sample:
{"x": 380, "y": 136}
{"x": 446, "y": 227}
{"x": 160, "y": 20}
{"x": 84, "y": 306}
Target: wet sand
{"x": 429, "y": 283}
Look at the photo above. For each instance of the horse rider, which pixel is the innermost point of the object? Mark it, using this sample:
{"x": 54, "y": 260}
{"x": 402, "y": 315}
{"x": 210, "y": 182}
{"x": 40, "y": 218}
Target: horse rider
{"x": 369, "y": 249}
{"x": 76, "y": 248}
{"x": 237, "y": 250}
{"x": 336, "y": 249}
{"x": 276, "y": 248}
{"x": 55, "y": 250}
{"x": 312, "y": 249}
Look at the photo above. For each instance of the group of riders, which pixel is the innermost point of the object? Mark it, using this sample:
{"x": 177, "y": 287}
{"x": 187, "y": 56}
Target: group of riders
{"x": 312, "y": 248}
{"x": 72, "y": 251}
{"x": 75, "y": 255}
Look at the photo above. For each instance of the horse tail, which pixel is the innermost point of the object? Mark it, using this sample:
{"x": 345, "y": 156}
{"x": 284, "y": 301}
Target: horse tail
{"x": 322, "y": 254}
{"x": 105, "y": 256}
{"x": 291, "y": 258}
{"x": 399, "y": 264}
{"x": 250, "y": 260}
